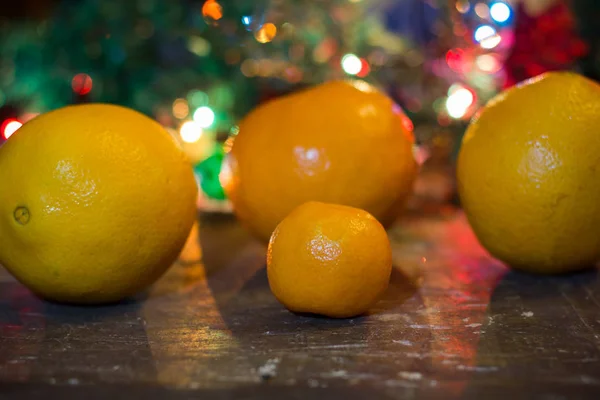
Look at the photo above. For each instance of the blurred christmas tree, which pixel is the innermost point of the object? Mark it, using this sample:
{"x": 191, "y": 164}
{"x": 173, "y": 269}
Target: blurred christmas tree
{"x": 199, "y": 66}
{"x": 146, "y": 54}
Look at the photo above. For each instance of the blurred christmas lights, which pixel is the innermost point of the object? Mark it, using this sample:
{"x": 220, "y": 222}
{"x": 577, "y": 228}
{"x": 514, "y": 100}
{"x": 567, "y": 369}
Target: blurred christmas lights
{"x": 463, "y": 6}
{"x": 204, "y": 116}
{"x": 212, "y": 12}
{"x": 266, "y": 33}
{"x": 500, "y": 12}
{"x": 482, "y": 10}
{"x": 9, "y": 127}
{"x": 82, "y": 84}
{"x": 491, "y": 42}
{"x": 484, "y": 32}
{"x": 180, "y": 108}
{"x": 351, "y": 64}
{"x": 459, "y": 100}
{"x": 488, "y": 63}
{"x": 190, "y": 132}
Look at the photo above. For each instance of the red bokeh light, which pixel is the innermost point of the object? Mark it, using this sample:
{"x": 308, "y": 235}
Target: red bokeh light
{"x": 365, "y": 68}
{"x": 82, "y": 84}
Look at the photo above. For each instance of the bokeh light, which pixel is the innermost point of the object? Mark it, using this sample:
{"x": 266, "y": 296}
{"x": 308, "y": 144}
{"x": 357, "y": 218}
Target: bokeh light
{"x": 365, "y": 68}
{"x": 180, "y": 108}
{"x": 197, "y": 98}
{"x": 212, "y": 12}
{"x": 249, "y": 68}
{"x": 190, "y": 132}
{"x": 247, "y": 22}
{"x": 488, "y": 63}
{"x": 266, "y": 33}
{"x": 82, "y": 84}
{"x": 482, "y": 10}
{"x": 204, "y": 117}
{"x": 463, "y": 6}
{"x": 9, "y": 127}
{"x": 351, "y": 64}
{"x": 455, "y": 59}
{"x": 459, "y": 101}
{"x": 484, "y": 32}
{"x": 500, "y": 12}
{"x": 491, "y": 42}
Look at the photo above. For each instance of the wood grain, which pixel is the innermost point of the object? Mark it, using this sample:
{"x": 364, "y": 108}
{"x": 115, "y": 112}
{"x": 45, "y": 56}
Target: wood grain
{"x": 455, "y": 324}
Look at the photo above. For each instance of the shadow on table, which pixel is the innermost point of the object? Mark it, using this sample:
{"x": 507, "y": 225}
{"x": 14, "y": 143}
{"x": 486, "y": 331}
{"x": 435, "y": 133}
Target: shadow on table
{"x": 281, "y": 347}
{"x": 43, "y": 341}
{"x": 542, "y": 338}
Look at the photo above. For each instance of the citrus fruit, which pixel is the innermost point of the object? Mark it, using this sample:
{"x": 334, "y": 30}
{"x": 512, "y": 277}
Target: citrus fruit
{"x": 96, "y": 201}
{"x": 339, "y": 142}
{"x": 528, "y": 174}
{"x": 329, "y": 259}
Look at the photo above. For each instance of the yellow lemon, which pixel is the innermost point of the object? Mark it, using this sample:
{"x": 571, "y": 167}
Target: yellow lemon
{"x": 528, "y": 174}
{"x": 338, "y": 142}
{"x": 329, "y": 259}
{"x": 96, "y": 201}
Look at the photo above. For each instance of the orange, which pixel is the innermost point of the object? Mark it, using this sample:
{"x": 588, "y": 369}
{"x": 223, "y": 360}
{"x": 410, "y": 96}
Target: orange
{"x": 96, "y": 201}
{"x": 329, "y": 259}
{"x": 339, "y": 142}
{"x": 528, "y": 174}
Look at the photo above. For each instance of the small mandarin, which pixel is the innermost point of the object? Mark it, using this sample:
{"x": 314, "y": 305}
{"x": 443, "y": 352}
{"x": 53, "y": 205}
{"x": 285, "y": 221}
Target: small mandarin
{"x": 329, "y": 259}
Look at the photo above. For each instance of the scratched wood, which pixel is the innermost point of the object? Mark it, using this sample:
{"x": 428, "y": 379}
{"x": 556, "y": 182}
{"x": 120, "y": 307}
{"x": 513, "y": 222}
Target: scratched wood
{"x": 455, "y": 324}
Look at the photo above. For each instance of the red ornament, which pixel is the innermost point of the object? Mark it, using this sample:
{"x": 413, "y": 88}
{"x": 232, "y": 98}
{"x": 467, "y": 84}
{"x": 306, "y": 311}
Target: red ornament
{"x": 545, "y": 42}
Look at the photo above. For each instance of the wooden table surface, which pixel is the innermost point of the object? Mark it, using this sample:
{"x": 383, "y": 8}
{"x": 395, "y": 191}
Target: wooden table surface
{"x": 455, "y": 324}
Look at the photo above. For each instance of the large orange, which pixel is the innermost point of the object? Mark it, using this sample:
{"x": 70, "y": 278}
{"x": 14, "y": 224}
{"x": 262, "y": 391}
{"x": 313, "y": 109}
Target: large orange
{"x": 528, "y": 174}
{"x": 96, "y": 202}
{"x": 329, "y": 259}
{"x": 339, "y": 142}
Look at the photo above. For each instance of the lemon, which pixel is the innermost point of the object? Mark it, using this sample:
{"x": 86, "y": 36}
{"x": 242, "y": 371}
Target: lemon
{"x": 96, "y": 201}
{"x": 528, "y": 174}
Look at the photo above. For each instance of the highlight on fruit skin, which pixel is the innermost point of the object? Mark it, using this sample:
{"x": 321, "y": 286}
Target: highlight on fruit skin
{"x": 330, "y": 260}
{"x": 96, "y": 202}
{"x": 527, "y": 174}
{"x": 342, "y": 142}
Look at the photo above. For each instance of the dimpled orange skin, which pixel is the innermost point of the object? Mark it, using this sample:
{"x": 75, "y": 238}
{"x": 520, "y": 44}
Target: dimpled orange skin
{"x": 528, "y": 174}
{"x": 329, "y": 259}
{"x": 339, "y": 142}
{"x": 109, "y": 202}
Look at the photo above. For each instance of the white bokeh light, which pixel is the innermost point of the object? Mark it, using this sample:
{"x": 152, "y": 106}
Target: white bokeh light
{"x": 190, "y": 131}
{"x": 351, "y": 64}
{"x": 484, "y": 32}
{"x": 204, "y": 116}
{"x": 11, "y": 128}
{"x": 500, "y": 12}
{"x": 459, "y": 102}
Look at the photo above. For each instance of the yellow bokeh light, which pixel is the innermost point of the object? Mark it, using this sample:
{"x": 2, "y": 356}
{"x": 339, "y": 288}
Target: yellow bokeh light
{"x": 180, "y": 108}
{"x": 463, "y": 6}
{"x": 249, "y": 68}
{"x": 266, "y": 33}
